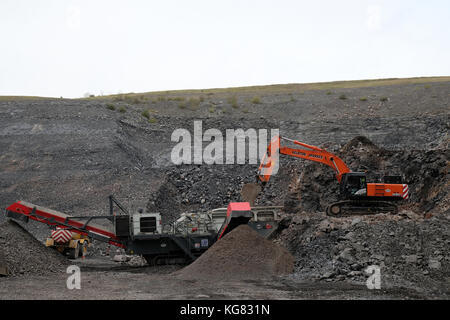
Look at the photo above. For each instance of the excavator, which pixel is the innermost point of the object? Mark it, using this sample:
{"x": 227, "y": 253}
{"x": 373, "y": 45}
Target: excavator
{"x": 357, "y": 195}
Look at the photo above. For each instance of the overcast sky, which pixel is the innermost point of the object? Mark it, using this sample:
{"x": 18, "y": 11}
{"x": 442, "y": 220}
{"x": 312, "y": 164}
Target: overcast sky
{"x": 68, "y": 48}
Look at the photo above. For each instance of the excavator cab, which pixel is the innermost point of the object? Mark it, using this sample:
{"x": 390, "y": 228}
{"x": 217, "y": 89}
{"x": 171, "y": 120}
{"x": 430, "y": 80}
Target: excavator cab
{"x": 353, "y": 184}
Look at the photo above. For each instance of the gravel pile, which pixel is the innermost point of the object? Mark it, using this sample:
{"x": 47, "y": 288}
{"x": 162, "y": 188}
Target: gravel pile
{"x": 241, "y": 254}
{"x": 24, "y": 255}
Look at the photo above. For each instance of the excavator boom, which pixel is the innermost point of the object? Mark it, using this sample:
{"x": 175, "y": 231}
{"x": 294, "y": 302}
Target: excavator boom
{"x": 308, "y": 152}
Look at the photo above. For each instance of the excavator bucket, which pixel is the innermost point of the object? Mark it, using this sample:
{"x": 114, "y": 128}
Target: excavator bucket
{"x": 269, "y": 163}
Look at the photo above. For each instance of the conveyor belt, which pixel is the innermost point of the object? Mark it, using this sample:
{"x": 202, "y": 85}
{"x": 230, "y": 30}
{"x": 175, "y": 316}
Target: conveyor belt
{"x": 23, "y": 211}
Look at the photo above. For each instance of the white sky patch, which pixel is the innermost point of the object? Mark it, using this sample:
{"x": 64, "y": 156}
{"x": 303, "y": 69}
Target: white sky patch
{"x": 67, "y": 48}
{"x": 73, "y": 18}
{"x": 373, "y": 21}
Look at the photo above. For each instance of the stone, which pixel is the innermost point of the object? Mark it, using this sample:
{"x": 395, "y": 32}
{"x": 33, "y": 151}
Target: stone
{"x": 347, "y": 255}
{"x": 434, "y": 264}
{"x": 411, "y": 258}
{"x": 349, "y": 236}
{"x": 410, "y": 214}
{"x": 120, "y": 258}
{"x": 358, "y": 247}
{"x": 378, "y": 257}
{"x": 328, "y": 275}
{"x": 354, "y": 273}
{"x": 326, "y": 226}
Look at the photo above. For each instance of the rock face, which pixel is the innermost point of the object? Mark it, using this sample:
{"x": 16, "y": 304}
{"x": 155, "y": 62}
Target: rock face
{"x": 241, "y": 254}
{"x": 411, "y": 253}
{"x": 196, "y": 187}
{"x": 24, "y": 255}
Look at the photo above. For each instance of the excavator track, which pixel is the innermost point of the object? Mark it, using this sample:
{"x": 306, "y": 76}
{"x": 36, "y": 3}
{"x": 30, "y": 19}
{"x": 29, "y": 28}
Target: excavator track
{"x": 360, "y": 207}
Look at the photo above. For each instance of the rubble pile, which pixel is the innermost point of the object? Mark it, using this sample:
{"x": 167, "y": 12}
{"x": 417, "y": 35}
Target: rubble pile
{"x": 24, "y": 255}
{"x": 410, "y": 250}
{"x": 241, "y": 254}
{"x": 205, "y": 187}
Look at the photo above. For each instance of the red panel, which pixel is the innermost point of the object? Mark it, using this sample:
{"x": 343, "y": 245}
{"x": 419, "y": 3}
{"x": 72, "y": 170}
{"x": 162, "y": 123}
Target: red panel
{"x": 238, "y": 206}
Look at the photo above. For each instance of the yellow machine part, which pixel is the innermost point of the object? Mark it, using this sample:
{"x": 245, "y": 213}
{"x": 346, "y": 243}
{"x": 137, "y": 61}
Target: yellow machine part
{"x": 77, "y": 240}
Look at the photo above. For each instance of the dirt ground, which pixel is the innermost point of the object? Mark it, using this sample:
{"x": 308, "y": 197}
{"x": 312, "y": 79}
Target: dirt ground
{"x": 103, "y": 279}
{"x": 69, "y": 155}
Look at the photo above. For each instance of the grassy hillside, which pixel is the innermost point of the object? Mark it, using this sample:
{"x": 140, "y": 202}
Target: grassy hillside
{"x": 255, "y": 90}
{"x": 281, "y": 88}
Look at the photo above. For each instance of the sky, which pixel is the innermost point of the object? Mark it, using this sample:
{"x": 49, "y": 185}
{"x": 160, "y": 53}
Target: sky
{"x": 70, "y": 48}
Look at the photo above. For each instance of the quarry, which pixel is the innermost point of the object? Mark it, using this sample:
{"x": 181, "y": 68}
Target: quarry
{"x": 70, "y": 155}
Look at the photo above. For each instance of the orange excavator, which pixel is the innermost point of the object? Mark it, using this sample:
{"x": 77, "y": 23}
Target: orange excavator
{"x": 357, "y": 196}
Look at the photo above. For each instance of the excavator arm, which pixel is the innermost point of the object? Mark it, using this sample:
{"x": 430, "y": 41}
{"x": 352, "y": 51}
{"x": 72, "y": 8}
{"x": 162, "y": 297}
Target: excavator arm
{"x": 313, "y": 153}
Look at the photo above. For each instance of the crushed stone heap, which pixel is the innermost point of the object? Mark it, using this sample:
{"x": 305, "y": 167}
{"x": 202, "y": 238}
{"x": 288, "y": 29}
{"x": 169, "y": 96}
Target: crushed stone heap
{"x": 241, "y": 254}
{"x": 25, "y": 255}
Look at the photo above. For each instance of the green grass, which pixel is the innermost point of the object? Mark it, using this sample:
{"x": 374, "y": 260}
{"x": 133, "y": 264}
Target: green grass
{"x": 110, "y": 106}
{"x": 182, "y": 105}
{"x": 256, "y": 100}
{"x": 343, "y": 97}
{"x": 119, "y": 97}
{"x": 146, "y": 114}
{"x": 131, "y": 99}
{"x": 220, "y": 93}
{"x": 194, "y": 103}
{"x": 122, "y": 109}
{"x": 152, "y": 120}
{"x": 363, "y": 99}
{"x": 384, "y": 99}
{"x": 24, "y": 98}
{"x": 233, "y": 101}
